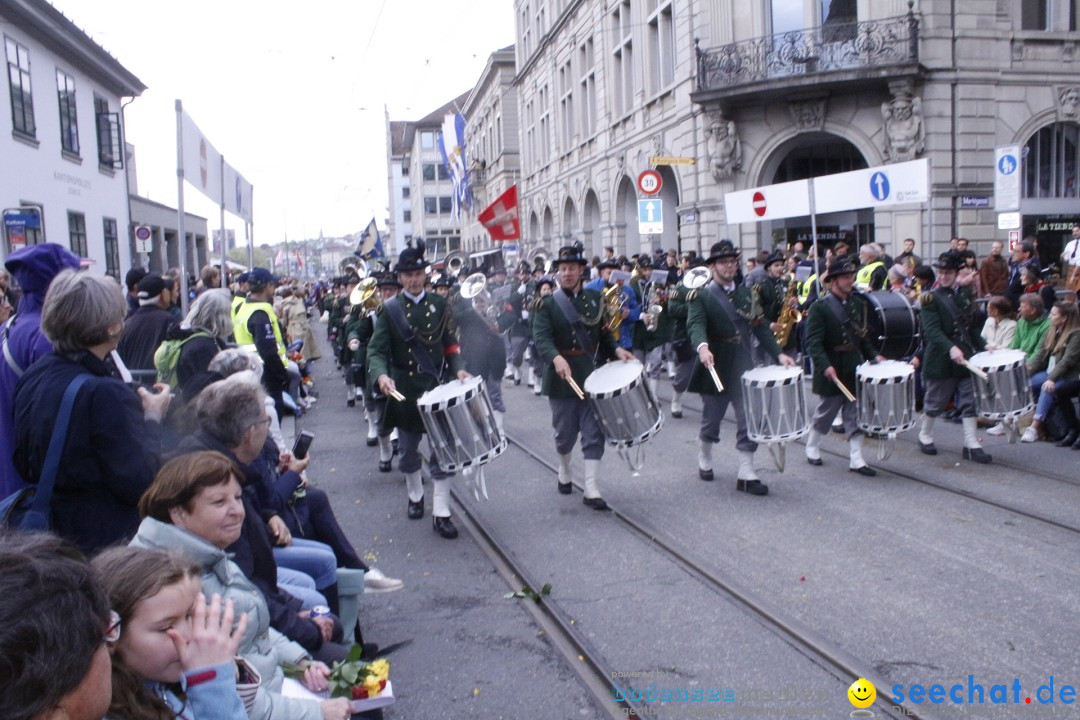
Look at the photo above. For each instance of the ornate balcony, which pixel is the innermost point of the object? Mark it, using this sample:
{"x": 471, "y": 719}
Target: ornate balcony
{"x": 849, "y": 54}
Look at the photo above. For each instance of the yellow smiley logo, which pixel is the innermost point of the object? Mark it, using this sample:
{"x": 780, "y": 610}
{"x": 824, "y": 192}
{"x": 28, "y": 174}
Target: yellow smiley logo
{"x": 862, "y": 693}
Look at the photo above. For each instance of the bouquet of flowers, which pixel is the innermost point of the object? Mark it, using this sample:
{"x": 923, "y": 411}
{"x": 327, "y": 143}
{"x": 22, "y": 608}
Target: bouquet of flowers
{"x": 358, "y": 680}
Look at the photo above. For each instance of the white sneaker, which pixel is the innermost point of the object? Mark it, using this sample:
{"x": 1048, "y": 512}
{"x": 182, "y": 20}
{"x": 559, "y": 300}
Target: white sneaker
{"x": 375, "y": 582}
{"x": 1030, "y": 435}
{"x": 998, "y": 429}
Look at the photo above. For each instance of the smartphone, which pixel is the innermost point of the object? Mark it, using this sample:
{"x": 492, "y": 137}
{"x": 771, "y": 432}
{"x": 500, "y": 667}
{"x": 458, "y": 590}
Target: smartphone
{"x": 303, "y": 442}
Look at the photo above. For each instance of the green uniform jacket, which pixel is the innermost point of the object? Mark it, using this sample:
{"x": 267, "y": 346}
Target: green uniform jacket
{"x": 553, "y": 335}
{"x": 643, "y": 339}
{"x": 709, "y": 322}
{"x": 941, "y": 331}
{"x": 387, "y": 354}
{"x": 771, "y": 293}
{"x": 825, "y": 333}
{"x": 512, "y": 318}
{"x": 678, "y": 311}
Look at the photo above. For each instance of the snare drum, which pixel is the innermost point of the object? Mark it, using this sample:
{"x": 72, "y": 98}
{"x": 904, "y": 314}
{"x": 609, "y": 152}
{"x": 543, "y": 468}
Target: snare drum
{"x": 893, "y": 325}
{"x": 886, "y": 397}
{"x": 461, "y": 424}
{"x": 774, "y": 398}
{"x": 1006, "y": 392}
{"x": 623, "y": 404}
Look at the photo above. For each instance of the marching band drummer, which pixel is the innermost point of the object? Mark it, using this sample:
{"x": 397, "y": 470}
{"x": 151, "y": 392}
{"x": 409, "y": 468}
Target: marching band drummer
{"x": 721, "y": 317}
{"x": 414, "y": 349}
{"x": 949, "y": 338}
{"x": 570, "y": 335}
{"x": 837, "y": 342}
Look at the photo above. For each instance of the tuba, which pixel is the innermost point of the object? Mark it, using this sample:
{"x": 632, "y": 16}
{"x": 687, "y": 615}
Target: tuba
{"x": 365, "y": 294}
{"x": 351, "y": 264}
{"x": 613, "y": 307}
{"x": 696, "y": 278}
{"x": 538, "y": 258}
{"x": 454, "y": 261}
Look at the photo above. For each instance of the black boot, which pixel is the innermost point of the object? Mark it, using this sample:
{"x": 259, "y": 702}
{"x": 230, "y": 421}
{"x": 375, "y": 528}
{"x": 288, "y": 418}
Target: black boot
{"x": 445, "y": 527}
{"x": 1069, "y": 440}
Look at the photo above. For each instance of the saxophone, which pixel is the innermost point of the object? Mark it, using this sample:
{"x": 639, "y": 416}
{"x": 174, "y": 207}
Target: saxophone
{"x": 789, "y": 315}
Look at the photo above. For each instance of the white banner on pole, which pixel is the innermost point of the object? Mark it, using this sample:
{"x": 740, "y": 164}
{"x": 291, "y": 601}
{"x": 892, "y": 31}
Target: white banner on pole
{"x": 238, "y": 193}
{"x": 769, "y": 202}
{"x": 882, "y": 186}
{"x": 201, "y": 162}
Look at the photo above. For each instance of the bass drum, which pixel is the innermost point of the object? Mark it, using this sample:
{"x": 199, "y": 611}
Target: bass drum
{"x": 892, "y": 324}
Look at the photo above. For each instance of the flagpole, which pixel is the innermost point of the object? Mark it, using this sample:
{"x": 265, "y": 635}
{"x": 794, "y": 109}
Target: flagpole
{"x": 180, "y": 207}
{"x": 224, "y": 263}
{"x": 249, "y": 228}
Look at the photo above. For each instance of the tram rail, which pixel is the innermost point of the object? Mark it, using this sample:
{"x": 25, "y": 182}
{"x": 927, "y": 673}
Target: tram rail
{"x": 579, "y": 653}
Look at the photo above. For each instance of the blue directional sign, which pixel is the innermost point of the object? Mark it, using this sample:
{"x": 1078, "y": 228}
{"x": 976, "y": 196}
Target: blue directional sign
{"x": 879, "y": 186}
{"x": 1007, "y": 165}
{"x": 650, "y": 217}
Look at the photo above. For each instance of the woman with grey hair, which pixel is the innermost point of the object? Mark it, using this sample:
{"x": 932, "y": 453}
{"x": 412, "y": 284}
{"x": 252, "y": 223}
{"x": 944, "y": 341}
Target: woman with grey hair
{"x": 114, "y": 437}
{"x": 202, "y": 335}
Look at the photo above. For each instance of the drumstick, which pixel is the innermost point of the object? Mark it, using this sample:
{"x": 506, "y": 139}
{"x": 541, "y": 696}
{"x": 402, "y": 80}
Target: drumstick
{"x": 396, "y": 395}
{"x": 575, "y": 388}
{"x": 976, "y": 370}
{"x": 716, "y": 378}
{"x": 843, "y": 389}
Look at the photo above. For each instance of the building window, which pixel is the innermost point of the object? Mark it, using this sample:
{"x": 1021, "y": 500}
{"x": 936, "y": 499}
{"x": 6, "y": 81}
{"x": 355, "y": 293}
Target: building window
{"x": 404, "y": 171}
{"x": 404, "y": 193}
{"x": 661, "y": 29}
{"x": 1034, "y": 14}
{"x": 427, "y": 170}
{"x": 1051, "y": 158}
{"x": 441, "y": 172}
{"x": 69, "y": 121}
{"x": 530, "y": 135}
{"x": 587, "y": 101}
{"x": 427, "y": 140}
{"x": 22, "y": 102}
{"x": 545, "y": 127}
{"x": 526, "y": 32}
{"x": 431, "y": 205}
{"x": 112, "y": 249}
{"x": 445, "y": 205}
{"x": 108, "y": 134}
{"x": 77, "y": 234}
{"x": 566, "y": 105}
{"x": 406, "y": 216}
{"x": 622, "y": 74}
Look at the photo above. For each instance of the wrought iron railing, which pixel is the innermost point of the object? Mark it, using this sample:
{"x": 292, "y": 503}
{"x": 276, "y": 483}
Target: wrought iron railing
{"x": 842, "y": 46}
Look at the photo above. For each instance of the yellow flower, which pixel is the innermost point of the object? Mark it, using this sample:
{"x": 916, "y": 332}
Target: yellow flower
{"x": 380, "y": 669}
{"x": 372, "y": 685}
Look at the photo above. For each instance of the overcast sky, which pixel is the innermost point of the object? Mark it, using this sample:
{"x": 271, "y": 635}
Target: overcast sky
{"x": 291, "y": 94}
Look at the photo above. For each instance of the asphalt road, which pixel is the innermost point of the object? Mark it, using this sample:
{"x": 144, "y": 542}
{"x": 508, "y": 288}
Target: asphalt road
{"x": 936, "y": 570}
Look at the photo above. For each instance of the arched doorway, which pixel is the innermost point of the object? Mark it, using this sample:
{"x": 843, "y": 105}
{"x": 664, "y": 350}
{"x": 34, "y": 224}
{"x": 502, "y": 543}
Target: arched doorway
{"x": 813, "y": 155}
{"x": 625, "y": 218}
{"x": 591, "y": 237}
{"x": 549, "y": 227}
{"x": 669, "y": 197}
{"x": 1049, "y": 205}
{"x": 569, "y": 220}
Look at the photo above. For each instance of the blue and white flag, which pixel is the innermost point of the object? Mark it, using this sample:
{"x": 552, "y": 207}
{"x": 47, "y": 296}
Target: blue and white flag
{"x": 370, "y": 246}
{"x": 452, "y": 147}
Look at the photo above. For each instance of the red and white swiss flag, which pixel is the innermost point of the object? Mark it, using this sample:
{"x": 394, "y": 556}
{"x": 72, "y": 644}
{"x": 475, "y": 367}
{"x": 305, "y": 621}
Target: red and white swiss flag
{"x": 501, "y": 217}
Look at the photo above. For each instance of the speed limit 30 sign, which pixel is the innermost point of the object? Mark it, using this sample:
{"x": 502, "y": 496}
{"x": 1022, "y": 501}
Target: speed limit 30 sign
{"x": 649, "y": 182}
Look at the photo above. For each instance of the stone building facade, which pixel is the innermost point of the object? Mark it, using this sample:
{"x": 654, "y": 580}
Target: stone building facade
{"x": 755, "y": 93}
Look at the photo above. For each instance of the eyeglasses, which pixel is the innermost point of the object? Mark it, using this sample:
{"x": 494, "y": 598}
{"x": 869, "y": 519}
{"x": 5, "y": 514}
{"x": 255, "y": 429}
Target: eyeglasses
{"x": 112, "y": 631}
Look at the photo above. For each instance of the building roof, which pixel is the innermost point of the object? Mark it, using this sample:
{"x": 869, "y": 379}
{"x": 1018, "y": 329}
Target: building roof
{"x": 435, "y": 118}
{"x": 49, "y": 26}
{"x": 400, "y": 137}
